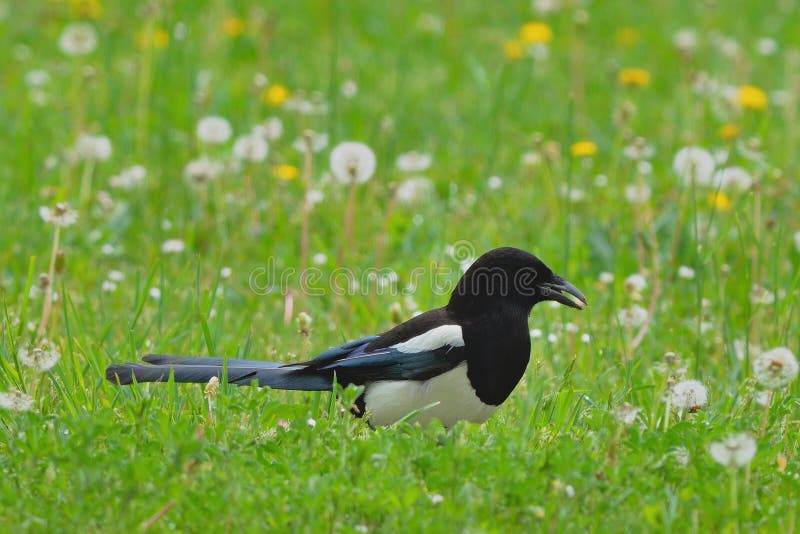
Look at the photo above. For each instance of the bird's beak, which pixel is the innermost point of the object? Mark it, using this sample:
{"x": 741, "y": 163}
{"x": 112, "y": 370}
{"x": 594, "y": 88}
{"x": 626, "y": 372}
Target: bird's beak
{"x": 563, "y": 292}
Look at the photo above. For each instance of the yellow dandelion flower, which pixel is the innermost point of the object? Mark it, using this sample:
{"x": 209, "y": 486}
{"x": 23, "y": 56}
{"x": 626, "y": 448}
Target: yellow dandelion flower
{"x": 233, "y": 26}
{"x": 535, "y": 33}
{"x": 729, "y": 132}
{"x": 156, "y": 38}
{"x": 91, "y": 9}
{"x": 627, "y": 36}
{"x": 284, "y": 171}
{"x": 583, "y": 149}
{"x": 275, "y": 95}
{"x": 751, "y": 97}
{"x": 512, "y": 49}
{"x": 719, "y": 201}
{"x": 634, "y": 77}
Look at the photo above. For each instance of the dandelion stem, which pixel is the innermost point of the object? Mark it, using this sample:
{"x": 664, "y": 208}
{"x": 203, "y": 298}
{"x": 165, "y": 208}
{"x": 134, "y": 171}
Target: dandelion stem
{"x": 765, "y": 417}
{"x": 735, "y": 495}
{"x": 306, "y": 208}
{"x": 86, "y": 181}
{"x": 48, "y": 294}
{"x": 349, "y": 217}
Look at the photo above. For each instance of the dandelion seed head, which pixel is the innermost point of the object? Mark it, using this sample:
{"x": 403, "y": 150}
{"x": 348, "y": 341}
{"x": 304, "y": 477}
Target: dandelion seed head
{"x": 271, "y": 129}
{"x": 41, "y": 358}
{"x": 252, "y": 148}
{"x": 200, "y": 171}
{"x": 352, "y": 162}
{"x": 736, "y": 450}
{"x": 349, "y": 88}
{"x": 635, "y": 283}
{"x": 77, "y": 39}
{"x": 775, "y": 368}
{"x": 311, "y": 422}
{"x": 632, "y": 317}
{"x": 173, "y": 246}
{"x": 108, "y": 286}
{"x": 436, "y": 498}
{"x": 59, "y": 215}
{"x": 129, "y": 178}
{"x": 638, "y": 193}
{"x": 761, "y": 295}
{"x": 414, "y": 161}
{"x": 494, "y": 182}
{"x": 16, "y": 401}
{"x": 606, "y": 278}
{"x": 213, "y": 129}
{"x": 685, "y": 40}
{"x": 694, "y": 165}
{"x": 92, "y": 147}
{"x": 627, "y": 413}
{"x": 689, "y": 395}
{"x": 413, "y": 190}
{"x": 319, "y": 142}
{"x": 687, "y": 273}
{"x": 732, "y": 178}
{"x": 154, "y": 293}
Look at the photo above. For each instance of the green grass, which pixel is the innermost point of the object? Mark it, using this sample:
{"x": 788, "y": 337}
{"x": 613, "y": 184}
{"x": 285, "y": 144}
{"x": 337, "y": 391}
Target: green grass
{"x": 90, "y": 456}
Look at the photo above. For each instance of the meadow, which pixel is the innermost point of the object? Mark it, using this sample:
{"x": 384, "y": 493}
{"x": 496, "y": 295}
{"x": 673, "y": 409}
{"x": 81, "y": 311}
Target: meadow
{"x": 167, "y": 178}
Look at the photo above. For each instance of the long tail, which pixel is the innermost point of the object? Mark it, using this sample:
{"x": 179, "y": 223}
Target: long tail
{"x": 190, "y": 369}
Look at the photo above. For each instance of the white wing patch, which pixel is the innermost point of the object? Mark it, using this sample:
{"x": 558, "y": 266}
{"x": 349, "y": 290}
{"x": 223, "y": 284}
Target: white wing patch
{"x": 390, "y": 400}
{"x": 436, "y": 338}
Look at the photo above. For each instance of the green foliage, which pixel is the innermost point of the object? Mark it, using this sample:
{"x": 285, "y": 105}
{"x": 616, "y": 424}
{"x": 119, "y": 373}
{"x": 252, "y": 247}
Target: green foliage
{"x": 435, "y": 78}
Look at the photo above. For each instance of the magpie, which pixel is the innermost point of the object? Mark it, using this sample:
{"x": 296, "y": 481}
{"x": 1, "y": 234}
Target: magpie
{"x": 458, "y": 362}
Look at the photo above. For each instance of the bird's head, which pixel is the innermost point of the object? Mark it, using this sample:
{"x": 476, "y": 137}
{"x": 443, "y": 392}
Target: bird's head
{"x": 511, "y": 278}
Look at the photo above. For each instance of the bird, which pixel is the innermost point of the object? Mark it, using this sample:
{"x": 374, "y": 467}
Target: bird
{"x": 457, "y": 362}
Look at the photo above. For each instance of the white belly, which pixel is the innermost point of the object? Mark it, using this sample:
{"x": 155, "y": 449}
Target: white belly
{"x": 390, "y": 400}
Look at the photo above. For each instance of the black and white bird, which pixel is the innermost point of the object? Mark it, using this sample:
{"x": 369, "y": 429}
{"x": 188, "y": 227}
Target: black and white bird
{"x": 460, "y": 361}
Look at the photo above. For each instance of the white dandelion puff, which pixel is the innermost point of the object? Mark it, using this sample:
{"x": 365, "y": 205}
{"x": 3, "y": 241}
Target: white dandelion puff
{"x": 685, "y": 40}
{"x": 736, "y": 450}
{"x": 16, "y": 401}
{"x": 154, "y": 293}
{"x": 694, "y": 165}
{"x": 129, "y": 178}
{"x": 78, "y": 39}
{"x": 732, "y": 178}
{"x": 775, "y": 368}
{"x": 495, "y": 182}
{"x": 632, "y": 317}
{"x": 92, "y": 147}
{"x": 627, "y": 413}
{"x": 637, "y": 193}
{"x": 319, "y": 142}
{"x": 213, "y": 129}
{"x": 766, "y": 46}
{"x": 687, "y": 273}
{"x": 108, "y": 286}
{"x": 352, "y": 162}
{"x": 635, "y": 283}
{"x": 607, "y": 278}
{"x": 41, "y": 358}
{"x": 59, "y": 215}
{"x": 200, "y": 171}
{"x": 688, "y": 395}
{"x": 761, "y": 295}
{"x": 413, "y": 190}
{"x": 414, "y": 161}
{"x": 436, "y": 498}
{"x": 271, "y": 129}
{"x": 349, "y": 88}
{"x": 251, "y": 148}
{"x": 173, "y": 246}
